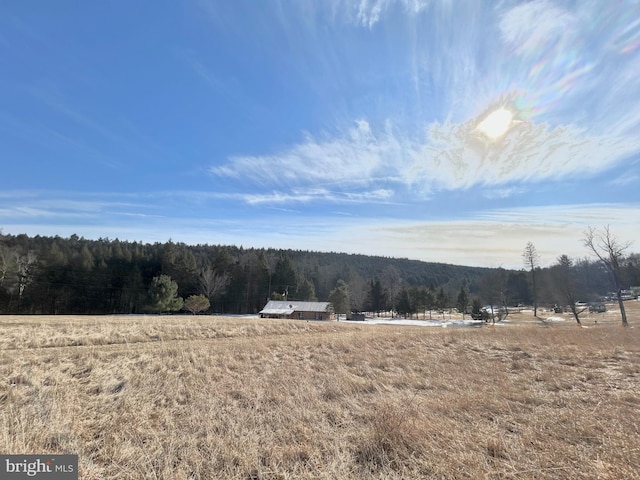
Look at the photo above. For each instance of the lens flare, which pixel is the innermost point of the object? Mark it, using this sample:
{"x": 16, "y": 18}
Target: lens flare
{"x": 496, "y": 124}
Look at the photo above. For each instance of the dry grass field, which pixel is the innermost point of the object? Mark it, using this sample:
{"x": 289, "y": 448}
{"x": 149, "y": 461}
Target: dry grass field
{"x": 181, "y": 397}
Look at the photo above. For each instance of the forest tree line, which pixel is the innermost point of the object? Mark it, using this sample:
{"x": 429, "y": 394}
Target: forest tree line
{"x": 54, "y": 275}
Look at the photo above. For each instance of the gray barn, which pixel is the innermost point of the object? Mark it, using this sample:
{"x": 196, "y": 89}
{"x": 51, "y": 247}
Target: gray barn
{"x": 298, "y": 310}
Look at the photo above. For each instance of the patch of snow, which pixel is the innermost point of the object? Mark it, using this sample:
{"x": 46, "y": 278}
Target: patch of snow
{"x": 417, "y": 323}
{"x": 555, "y": 319}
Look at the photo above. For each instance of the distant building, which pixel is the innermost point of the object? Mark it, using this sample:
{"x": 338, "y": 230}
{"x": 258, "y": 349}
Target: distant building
{"x": 298, "y": 310}
{"x": 628, "y": 295}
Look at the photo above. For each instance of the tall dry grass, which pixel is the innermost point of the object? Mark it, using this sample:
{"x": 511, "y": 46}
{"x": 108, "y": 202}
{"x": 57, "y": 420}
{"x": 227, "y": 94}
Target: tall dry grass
{"x": 305, "y": 400}
{"x": 43, "y": 331}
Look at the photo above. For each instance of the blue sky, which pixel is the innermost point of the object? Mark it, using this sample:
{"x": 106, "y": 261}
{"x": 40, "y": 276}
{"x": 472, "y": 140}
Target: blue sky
{"x": 364, "y": 126}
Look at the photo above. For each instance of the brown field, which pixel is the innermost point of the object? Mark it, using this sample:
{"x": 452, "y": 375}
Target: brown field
{"x": 179, "y": 397}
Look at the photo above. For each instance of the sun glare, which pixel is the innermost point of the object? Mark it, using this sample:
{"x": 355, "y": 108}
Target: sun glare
{"x": 496, "y": 124}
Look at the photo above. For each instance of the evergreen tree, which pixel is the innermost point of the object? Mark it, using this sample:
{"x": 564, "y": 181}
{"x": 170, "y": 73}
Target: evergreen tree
{"x": 403, "y": 305}
{"x": 518, "y": 290}
{"x": 284, "y": 276}
{"x": 339, "y": 297}
{"x": 163, "y": 295}
{"x": 76, "y": 275}
{"x": 430, "y": 301}
{"x": 186, "y": 270}
{"x": 376, "y": 300}
{"x": 442, "y": 300}
{"x": 306, "y": 291}
{"x": 477, "y": 312}
{"x": 462, "y": 302}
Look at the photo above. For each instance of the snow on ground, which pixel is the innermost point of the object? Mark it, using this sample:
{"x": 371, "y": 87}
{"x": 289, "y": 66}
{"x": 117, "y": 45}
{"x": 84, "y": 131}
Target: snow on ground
{"x": 416, "y": 323}
{"x": 555, "y": 319}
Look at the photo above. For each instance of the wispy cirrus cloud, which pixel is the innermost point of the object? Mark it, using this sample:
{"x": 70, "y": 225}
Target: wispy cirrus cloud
{"x": 569, "y": 97}
{"x": 347, "y": 158}
{"x": 574, "y": 65}
{"x": 20, "y": 205}
{"x": 454, "y": 157}
{"x": 449, "y": 157}
{"x": 628, "y": 178}
{"x": 351, "y": 125}
{"x": 319, "y": 194}
{"x": 367, "y": 13}
{"x": 527, "y": 28}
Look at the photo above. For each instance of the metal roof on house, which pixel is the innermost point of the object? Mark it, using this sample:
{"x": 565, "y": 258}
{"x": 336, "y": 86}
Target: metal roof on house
{"x": 287, "y": 307}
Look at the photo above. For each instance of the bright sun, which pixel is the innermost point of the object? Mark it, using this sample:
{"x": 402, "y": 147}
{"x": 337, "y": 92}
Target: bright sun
{"x": 496, "y": 124}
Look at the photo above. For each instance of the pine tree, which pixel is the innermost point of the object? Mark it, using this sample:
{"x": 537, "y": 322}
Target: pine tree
{"x": 163, "y": 295}
{"x": 339, "y": 297}
{"x": 306, "y": 291}
{"x": 403, "y": 305}
{"x": 376, "y": 297}
{"x": 463, "y": 301}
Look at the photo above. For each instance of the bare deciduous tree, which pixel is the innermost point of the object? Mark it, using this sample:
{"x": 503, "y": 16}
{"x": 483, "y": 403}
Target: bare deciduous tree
{"x": 357, "y": 291}
{"x": 24, "y": 267}
{"x": 493, "y": 291}
{"x": 531, "y": 260}
{"x": 564, "y": 279}
{"x": 610, "y": 251}
{"x": 271, "y": 261}
{"x": 24, "y": 270}
{"x": 213, "y": 283}
{"x": 6, "y": 262}
{"x": 392, "y": 281}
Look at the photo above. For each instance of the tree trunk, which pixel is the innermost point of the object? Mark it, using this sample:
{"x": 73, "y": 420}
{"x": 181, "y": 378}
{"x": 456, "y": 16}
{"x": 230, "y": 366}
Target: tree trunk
{"x": 535, "y": 292}
{"x": 622, "y": 310}
{"x": 575, "y": 312}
